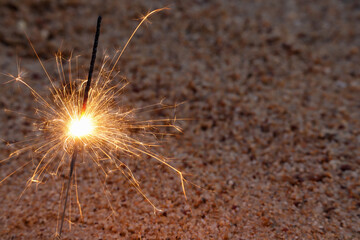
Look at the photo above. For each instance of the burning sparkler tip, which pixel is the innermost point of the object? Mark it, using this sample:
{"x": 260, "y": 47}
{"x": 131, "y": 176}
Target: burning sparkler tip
{"x": 81, "y": 127}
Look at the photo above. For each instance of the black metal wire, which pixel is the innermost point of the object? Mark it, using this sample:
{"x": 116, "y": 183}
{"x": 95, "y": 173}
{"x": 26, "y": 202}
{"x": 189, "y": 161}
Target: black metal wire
{"x": 72, "y": 164}
{"x": 92, "y": 63}
{"x": 86, "y": 95}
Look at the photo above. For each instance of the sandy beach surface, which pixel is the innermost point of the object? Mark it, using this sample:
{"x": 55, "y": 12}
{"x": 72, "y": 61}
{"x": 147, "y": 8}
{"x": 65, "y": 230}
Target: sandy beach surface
{"x": 271, "y": 94}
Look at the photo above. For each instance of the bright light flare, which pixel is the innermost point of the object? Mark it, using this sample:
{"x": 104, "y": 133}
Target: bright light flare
{"x": 81, "y": 127}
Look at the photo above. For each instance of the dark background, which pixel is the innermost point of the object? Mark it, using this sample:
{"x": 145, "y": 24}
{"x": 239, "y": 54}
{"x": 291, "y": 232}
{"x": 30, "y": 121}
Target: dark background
{"x": 273, "y": 91}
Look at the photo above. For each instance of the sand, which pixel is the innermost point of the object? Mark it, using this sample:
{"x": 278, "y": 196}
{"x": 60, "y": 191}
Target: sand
{"x": 271, "y": 91}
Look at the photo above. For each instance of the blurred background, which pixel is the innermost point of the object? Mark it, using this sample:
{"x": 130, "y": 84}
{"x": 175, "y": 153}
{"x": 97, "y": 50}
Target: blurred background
{"x": 272, "y": 88}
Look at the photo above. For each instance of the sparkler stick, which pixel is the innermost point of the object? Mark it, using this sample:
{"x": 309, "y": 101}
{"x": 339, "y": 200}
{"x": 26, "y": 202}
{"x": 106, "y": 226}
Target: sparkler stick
{"x": 92, "y": 63}
{"x": 72, "y": 164}
{"x": 86, "y": 95}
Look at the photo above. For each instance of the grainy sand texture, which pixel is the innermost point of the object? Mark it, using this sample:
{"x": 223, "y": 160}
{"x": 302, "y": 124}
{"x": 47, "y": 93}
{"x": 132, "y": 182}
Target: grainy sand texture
{"x": 271, "y": 91}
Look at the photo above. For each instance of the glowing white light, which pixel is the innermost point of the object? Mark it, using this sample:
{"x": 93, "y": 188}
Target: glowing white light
{"x": 81, "y": 127}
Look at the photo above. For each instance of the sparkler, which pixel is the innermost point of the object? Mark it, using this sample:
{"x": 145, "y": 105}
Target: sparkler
{"x": 90, "y": 121}
{"x": 82, "y": 126}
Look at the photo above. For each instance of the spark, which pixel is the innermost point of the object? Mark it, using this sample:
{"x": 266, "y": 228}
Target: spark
{"x": 103, "y": 131}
